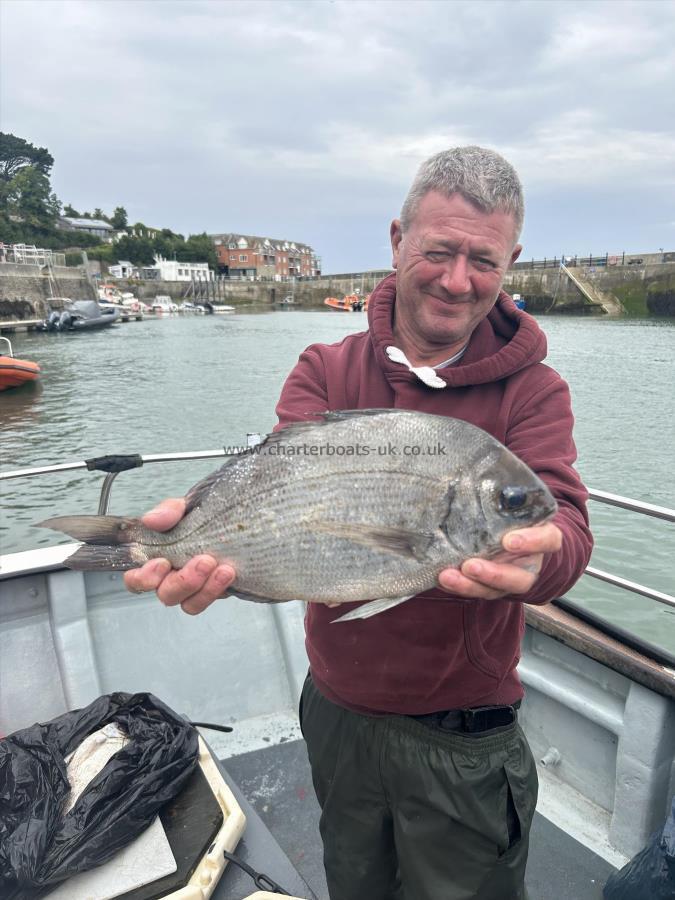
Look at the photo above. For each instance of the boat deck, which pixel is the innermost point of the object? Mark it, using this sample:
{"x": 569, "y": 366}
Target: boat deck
{"x": 277, "y": 783}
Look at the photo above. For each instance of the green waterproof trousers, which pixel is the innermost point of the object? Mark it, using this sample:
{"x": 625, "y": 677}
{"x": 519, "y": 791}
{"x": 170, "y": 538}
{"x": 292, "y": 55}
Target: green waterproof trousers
{"x": 412, "y": 812}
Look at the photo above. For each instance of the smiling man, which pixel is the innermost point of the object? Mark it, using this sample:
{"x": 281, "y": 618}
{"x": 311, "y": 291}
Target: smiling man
{"x": 450, "y": 260}
{"x": 425, "y": 779}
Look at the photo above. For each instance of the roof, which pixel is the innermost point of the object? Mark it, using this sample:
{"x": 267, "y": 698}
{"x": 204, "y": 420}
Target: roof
{"x": 277, "y": 243}
{"x": 87, "y": 223}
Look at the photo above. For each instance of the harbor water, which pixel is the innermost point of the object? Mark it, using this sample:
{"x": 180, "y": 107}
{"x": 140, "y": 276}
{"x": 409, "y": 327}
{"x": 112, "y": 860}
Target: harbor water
{"x": 203, "y": 382}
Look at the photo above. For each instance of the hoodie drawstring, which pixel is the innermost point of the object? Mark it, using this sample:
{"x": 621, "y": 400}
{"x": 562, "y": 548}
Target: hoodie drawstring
{"x": 426, "y": 374}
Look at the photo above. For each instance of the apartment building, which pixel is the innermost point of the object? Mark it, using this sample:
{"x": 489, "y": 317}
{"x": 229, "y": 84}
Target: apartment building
{"x": 252, "y": 256}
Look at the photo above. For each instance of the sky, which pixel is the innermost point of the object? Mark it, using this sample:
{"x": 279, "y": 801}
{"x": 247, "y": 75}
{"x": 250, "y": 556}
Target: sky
{"x": 307, "y": 119}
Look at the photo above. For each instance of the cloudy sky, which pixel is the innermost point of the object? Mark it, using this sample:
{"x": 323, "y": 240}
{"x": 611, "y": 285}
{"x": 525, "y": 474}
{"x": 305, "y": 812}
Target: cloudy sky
{"x": 307, "y": 119}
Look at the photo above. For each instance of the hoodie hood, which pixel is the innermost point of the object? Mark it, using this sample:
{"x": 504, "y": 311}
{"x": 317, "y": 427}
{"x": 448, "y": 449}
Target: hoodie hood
{"x": 505, "y": 342}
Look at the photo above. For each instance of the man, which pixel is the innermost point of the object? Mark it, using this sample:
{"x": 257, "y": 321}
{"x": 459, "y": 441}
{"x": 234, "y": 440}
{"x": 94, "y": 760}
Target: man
{"x": 426, "y": 782}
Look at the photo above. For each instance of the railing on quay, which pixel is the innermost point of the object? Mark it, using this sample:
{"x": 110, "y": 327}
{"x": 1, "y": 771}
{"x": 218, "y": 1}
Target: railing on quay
{"x": 30, "y": 255}
{"x": 591, "y": 261}
{"x": 113, "y": 465}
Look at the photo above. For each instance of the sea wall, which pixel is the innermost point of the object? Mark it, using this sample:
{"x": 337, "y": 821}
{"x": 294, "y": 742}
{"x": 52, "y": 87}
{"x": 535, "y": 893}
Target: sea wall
{"x": 641, "y": 290}
{"x": 25, "y": 291}
{"x": 306, "y": 293}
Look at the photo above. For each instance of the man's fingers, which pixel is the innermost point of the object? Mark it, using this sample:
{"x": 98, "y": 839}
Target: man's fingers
{"x": 183, "y": 583}
{"x": 148, "y": 577}
{"x": 487, "y": 579}
{"x": 164, "y": 516}
{"x": 216, "y": 585}
{"x": 457, "y": 583}
{"x": 545, "y": 538}
{"x": 505, "y": 578}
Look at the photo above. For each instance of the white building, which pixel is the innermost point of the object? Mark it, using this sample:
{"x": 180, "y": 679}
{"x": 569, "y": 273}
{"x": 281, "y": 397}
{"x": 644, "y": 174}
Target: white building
{"x": 123, "y": 269}
{"x": 174, "y": 270}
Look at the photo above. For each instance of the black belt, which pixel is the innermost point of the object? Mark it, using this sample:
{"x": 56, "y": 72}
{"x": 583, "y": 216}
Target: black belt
{"x": 473, "y": 720}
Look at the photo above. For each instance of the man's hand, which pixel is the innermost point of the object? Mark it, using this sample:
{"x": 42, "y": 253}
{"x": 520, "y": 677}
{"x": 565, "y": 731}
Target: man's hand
{"x": 196, "y": 585}
{"x": 514, "y": 571}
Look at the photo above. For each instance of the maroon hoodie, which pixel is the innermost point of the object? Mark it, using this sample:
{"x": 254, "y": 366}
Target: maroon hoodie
{"x": 439, "y": 651}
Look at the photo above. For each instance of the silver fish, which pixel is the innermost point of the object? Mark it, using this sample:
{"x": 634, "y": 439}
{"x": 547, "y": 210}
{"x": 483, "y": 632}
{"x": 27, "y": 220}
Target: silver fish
{"x": 362, "y": 504}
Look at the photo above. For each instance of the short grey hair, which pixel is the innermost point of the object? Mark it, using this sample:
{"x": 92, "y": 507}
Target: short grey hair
{"x": 481, "y": 176}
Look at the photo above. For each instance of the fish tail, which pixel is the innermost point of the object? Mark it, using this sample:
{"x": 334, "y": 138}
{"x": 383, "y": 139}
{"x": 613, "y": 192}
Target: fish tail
{"x": 95, "y": 557}
{"x": 97, "y": 529}
{"x": 110, "y": 542}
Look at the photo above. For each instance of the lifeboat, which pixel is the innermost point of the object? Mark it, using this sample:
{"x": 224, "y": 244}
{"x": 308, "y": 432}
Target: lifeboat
{"x": 350, "y": 303}
{"x": 15, "y": 372}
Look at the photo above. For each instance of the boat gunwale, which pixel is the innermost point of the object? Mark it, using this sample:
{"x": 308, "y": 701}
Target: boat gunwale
{"x": 579, "y": 635}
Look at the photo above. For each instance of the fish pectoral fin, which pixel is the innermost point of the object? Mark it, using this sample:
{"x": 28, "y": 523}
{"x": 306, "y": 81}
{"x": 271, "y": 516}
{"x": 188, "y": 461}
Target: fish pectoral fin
{"x": 413, "y": 544}
{"x": 372, "y": 608}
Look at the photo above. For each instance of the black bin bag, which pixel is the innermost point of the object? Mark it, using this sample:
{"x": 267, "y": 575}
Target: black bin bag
{"x": 39, "y": 844}
{"x": 651, "y": 874}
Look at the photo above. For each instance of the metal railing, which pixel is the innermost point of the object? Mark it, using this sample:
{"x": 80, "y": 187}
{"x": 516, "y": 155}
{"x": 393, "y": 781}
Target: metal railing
{"x": 30, "y": 255}
{"x": 590, "y": 260}
{"x": 113, "y": 465}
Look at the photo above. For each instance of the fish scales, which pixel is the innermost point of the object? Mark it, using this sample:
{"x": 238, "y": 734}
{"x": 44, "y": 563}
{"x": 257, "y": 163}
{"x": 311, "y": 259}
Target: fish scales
{"x": 360, "y": 505}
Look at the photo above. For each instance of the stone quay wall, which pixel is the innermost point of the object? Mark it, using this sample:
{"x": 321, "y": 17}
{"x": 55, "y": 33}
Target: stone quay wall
{"x": 649, "y": 289}
{"x": 642, "y": 290}
{"x": 26, "y": 291}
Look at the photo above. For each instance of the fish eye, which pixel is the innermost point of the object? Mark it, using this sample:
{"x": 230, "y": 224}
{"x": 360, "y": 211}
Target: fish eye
{"x": 512, "y": 498}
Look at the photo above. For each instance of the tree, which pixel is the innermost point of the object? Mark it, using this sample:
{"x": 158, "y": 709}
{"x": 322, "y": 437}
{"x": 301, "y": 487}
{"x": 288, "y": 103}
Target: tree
{"x": 118, "y": 219}
{"x": 29, "y": 198}
{"x": 16, "y": 154}
{"x": 138, "y": 250}
{"x": 98, "y": 214}
{"x": 70, "y": 211}
{"x": 198, "y": 248}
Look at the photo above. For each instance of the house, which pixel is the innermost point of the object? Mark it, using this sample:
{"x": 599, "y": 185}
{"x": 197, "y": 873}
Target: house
{"x": 97, "y": 227}
{"x": 175, "y": 270}
{"x": 123, "y": 269}
{"x": 253, "y": 256}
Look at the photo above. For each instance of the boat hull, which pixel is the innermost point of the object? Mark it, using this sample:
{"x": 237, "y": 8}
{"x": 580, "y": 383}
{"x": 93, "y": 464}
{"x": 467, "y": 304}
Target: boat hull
{"x": 15, "y": 372}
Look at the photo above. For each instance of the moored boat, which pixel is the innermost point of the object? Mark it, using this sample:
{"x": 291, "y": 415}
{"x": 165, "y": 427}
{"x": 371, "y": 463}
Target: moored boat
{"x": 80, "y": 315}
{"x": 350, "y": 303}
{"x": 127, "y": 305}
{"x": 15, "y": 372}
{"x": 163, "y": 305}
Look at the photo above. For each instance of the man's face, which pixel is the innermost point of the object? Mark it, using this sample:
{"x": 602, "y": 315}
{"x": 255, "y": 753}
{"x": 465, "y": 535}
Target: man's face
{"x": 449, "y": 264}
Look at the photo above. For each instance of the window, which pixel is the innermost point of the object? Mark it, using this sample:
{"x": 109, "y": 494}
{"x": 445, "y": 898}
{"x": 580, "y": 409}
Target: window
{"x": 243, "y": 257}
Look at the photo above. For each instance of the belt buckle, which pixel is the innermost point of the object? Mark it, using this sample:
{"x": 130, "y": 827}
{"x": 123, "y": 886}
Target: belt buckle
{"x": 485, "y": 718}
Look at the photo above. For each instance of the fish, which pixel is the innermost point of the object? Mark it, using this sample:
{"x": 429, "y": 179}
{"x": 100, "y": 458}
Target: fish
{"x": 359, "y": 505}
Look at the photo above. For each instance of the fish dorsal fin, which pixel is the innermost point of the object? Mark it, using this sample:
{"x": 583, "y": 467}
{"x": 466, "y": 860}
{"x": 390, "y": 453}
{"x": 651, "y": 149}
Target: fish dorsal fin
{"x": 411, "y": 544}
{"x": 340, "y": 415}
{"x": 199, "y": 491}
{"x": 289, "y": 432}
